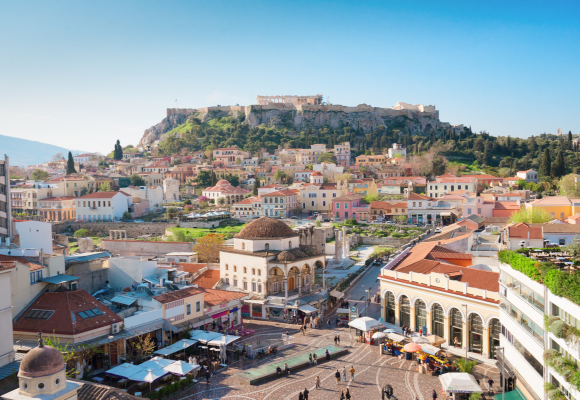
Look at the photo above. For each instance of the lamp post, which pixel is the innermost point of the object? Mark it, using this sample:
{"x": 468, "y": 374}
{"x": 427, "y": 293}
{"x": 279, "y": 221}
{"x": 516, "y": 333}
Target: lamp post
{"x": 466, "y": 331}
{"x": 366, "y": 301}
{"x": 110, "y": 337}
{"x": 502, "y": 373}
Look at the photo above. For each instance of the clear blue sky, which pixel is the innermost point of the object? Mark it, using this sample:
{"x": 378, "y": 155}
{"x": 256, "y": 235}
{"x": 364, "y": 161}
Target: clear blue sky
{"x": 81, "y": 74}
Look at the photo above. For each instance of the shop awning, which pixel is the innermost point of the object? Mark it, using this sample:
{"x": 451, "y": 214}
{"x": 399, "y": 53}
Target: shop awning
{"x": 224, "y": 339}
{"x": 220, "y": 314}
{"x": 445, "y": 213}
{"x": 125, "y": 300}
{"x": 513, "y": 395}
{"x": 365, "y": 324}
{"x": 427, "y": 348}
{"x": 396, "y": 337}
{"x": 337, "y": 294}
{"x": 459, "y": 382}
{"x": 307, "y": 308}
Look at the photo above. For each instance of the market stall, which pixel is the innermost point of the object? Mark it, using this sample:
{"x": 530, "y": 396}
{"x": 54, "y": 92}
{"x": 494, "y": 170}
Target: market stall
{"x": 365, "y": 328}
{"x": 343, "y": 315}
{"x": 459, "y": 385}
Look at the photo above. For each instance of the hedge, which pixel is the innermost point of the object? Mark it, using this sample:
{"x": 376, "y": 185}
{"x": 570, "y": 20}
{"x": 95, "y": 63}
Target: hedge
{"x": 560, "y": 282}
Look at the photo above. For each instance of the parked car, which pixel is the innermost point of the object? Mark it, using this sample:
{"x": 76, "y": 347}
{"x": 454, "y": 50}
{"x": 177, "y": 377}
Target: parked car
{"x": 163, "y": 220}
{"x": 376, "y": 222}
{"x": 294, "y": 217}
{"x": 326, "y": 220}
{"x": 437, "y": 230}
{"x": 390, "y": 222}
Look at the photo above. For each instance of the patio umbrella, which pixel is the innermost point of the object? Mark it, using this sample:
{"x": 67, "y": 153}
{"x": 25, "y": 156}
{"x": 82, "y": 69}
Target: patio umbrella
{"x": 411, "y": 347}
{"x": 149, "y": 375}
{"x": 379, "y": 335}
{"x": 435, "y": 340}
{"x": 420, "y": 340}
{"x": 365, "y": 324}
{"x": 180, "y": 368}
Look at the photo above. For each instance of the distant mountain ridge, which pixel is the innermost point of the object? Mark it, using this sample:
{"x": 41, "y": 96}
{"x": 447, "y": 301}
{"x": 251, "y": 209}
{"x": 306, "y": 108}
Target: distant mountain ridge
{"x": 23, "y": 152}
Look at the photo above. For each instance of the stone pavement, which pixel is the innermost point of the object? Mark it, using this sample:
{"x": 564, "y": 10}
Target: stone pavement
{"x": 372, "y": 372}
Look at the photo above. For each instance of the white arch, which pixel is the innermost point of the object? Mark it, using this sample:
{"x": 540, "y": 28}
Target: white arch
{"x": 415, "y": 301}
{"x": 430, "y": 307}
{"x": 478, "y": 314}
{"x": 458, "y": 308}
{"x": 488, "y": 320}
{"x": 398, "y": 297}
{"x": 384, "y": 294}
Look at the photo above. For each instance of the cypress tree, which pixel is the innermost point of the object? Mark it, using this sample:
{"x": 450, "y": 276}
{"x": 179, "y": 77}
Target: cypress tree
{"x": 256, "y": 185}
{"x": 559, "y": 167}
{"x": 70, "y": 165}
{"x": 213, "y": 179}
{"x": 546, "y": 165}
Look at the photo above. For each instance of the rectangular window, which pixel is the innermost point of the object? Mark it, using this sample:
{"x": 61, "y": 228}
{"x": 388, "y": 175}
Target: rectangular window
{"x": 109, "y": 204}
{"x": 188, "y": 309}
{"x": 38, "y": 275}
{"x": 198, "y": 306}
{"x": 245, "y": 285}
{"x": 312, "y": 203}
{"x": 253, "y": 286}
{"x": 323, "y": 194}
{"x": 345, "y": 206}
{"x": 459, "y": 187}
{"x": 562, "y": 215}
{"x": 562, "y": 242}
{"x": 275, "y": 287}
{"x": 32, "y": 277}
{"x": 479, "y": 210}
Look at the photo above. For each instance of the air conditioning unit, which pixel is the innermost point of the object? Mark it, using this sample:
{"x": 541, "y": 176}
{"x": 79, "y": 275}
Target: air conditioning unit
{"x": 115, "y": 328}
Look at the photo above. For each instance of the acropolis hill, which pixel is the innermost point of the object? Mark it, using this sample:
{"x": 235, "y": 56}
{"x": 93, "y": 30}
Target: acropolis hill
{"x": 301, "y": 112}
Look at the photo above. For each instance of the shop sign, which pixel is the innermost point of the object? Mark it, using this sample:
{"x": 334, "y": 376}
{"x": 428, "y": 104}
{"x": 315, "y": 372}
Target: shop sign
{"x": 353, "y": 313}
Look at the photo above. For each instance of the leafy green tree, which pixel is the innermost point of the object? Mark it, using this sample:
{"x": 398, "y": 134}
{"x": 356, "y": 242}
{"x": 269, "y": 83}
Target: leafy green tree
{"x": 81, "y": 233}
{"x": 118, "y": 152}
{"x": 126, "y": 216}
{"x": 327, "y": 157}
{"x": 438, "y": 167}
{"x": 559, "y": 167}
{"x": 546, "y": 165}
{"x": 568, "y": 186}
{"x": 280, "y": 175}
{"x": 105, "y": 187}
{"x": 70, "y": 165}
{"x": 308, "y": 167}
{"x": 204, "y": 178}
{"x": 221, "y": 201}
{"x": 137, "y": 180}
{"x": 233, "y": 179}
{"x": 213, "y": 178}
{"x": 39, "y": 175}
{"x": 531, "y": 216}
{"x": 84, "y": 191}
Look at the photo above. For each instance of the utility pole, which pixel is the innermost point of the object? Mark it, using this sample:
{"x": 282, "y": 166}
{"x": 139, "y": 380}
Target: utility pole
{"x": 466, "y": 331}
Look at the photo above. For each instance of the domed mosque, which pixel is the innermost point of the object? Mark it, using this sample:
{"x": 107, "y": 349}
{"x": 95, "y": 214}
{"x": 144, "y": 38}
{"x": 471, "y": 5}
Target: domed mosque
{"x": 42, "y": 375}
{"x": 269, "y": 261}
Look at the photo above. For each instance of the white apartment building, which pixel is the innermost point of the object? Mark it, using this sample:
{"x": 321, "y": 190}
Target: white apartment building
{"x": 229, "y": 155}
{"x": 303, "y": 176}
{"x": 103, "y": 206}
{"x": 342, "y": 154}
{"x": 152, "y": 193}
{"x": 446, "y": 185}
{"x": 330, "y": 168}
{"x": 529, "y": 176}
{"x": 283, "y": 203}
{"x": 247, "y": 208}
{"x": 397, "y": 151}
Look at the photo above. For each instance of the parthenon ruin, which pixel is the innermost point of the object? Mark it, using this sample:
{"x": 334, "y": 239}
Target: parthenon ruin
{"x": 292, "y": 99}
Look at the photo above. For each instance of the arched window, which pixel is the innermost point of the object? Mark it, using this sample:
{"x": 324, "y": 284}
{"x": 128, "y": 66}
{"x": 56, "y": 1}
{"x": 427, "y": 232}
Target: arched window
{"x": 253, "y": 271}
{"x": 259, "y": 272}
{"x": 243, "y": 246}
{"x": 245, "y": 284}
{"x": 259, "y": 288}
{"x": 494, "y": 329}
{"x": 267, "y": 246}
{"x": 245, "y": 270}
{"x": 289, "y": 244}
{"x": 420, "y": 315}
{"x": 254, "y": 287}
{"x": 475, "y": 333}
{"x": 227, "y": 267}
{"x": 438, "y": 320}
{"x": 456, "y": 326}
{"x": 235, "y": 269}
{"x": 390, "y": 307}
{"x": 404, "y": 311}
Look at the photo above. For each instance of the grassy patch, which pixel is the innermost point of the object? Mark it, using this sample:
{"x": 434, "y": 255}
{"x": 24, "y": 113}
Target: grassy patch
{"x": 189, "y": 234}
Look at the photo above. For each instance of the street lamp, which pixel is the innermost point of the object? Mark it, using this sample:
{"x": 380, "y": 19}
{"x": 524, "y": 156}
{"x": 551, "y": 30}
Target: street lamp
{"x": 466, "y": 330}
{"x": 502, "y": 373}
{"x": 110, "y": 337}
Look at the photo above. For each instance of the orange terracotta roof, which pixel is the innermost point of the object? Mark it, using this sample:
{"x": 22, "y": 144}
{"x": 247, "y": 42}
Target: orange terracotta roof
{"x": 215, "y": 297}
{"x": 177, "y": 295}
{"x": 208, "y": 279}
{"x": 66, "y": 318}
{"x": 33, "y": 266}
{"x": 192, "y": 268}
{"x": 524, "y": 231}
{"x": 416, "y": 196}
{"x": 380, "y": 204}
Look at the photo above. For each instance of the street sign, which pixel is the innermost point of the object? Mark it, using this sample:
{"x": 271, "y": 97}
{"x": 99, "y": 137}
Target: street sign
{"x": 353, "y": 313}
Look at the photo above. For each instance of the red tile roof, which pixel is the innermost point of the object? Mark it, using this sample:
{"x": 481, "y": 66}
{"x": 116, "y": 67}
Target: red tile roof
{"x": 58, "y": 198}
{"x": 524, "y": 231}
{"x": 177, "y": 295}
{"x": 381, "y": 204}
{"x": 33, "y": 266}
{"x": 416, "y": 196}
{"x": 215, "y": 297}
{"x": 65, "y": 319}
{"x": 191, "y": 267}
{"x": 208, "y": 279}
{"x": 506, "y": 205}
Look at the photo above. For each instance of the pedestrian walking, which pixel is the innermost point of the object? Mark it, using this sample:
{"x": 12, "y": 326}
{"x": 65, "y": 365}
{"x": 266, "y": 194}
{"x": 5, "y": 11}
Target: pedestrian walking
{"x": 337, "y": 376}
{"x": 335, "y": 340}
{"x": 327, "y": 355}
{"x": 434, "y": 394}
{"x": 328, "y": 323}
{"x": 286, "y": 369}
{"x": 338, "y": 339}
{"x": 310, "y": 359}
{"x": 341, "y": 395}
{"x": 347, "y": 395}
{"x": 317, "y": 382}
{"x": 303, "y": 328}
{"x": 315, "y": 359}
{"x": 490, "y": 384}
{"x": 301, "y": 396}
{"x": 207, "y": 376}
{"x": 306, "y": 393}
{"x": 279, "y": 370}
{"x": 344, "y": 374}
{"x": 352, "y": 371}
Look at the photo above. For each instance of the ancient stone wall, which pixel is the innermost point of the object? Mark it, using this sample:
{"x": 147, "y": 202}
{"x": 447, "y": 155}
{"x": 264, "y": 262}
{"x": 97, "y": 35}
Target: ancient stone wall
{"x": 143, "y": 248}
{"x": 102, "y": 228}
{"x": 391, "y": 242}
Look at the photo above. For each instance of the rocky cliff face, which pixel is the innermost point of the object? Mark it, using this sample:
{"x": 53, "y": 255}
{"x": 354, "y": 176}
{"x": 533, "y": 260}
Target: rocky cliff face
{"x": 156, "y": 132}
{"x": 362, "y": 118}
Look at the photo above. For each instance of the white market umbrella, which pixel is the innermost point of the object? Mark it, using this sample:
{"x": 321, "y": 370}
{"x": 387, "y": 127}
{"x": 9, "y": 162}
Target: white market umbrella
{"x": 379, "y": 335}
{"x": 459, "y": 382}
{"x": 390, "y": 331}
{"x": 420, "y": 340}
{"x": 365, "y": 324}
{"x": 156, "y": 363}
{"x": 149, "y": 375}
{"x": 180, "y": 368}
